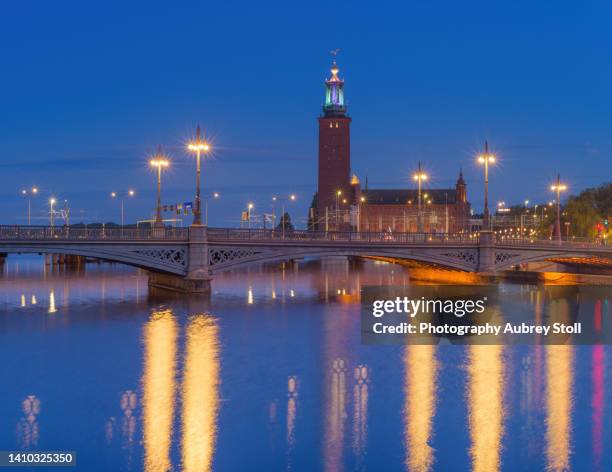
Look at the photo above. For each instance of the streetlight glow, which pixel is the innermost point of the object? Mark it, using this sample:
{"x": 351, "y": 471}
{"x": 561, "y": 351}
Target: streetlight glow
{"x": 419, "y": 177}
{"x": 160, "y": 162}
{"x": 486, "y": 158}
{"x": 558, "y": 187}
{"x": 198, "y": 146}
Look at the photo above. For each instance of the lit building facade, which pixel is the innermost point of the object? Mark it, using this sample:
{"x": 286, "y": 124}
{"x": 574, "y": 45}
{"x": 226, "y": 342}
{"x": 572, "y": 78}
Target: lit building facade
{"x": 341, "y": 203}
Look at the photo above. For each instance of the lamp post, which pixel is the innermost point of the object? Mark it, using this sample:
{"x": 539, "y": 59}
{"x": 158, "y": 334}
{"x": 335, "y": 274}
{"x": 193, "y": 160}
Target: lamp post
{"x": 290, "y": 198}
{"x": 215, "y": 195}
{"x": 159, "y": 161}
{"x": 130, "y": 193}
{"x": 420, "y": 176}
{"x": 558, "y": 187}
{"x": 486, "y": 158}
{"x": 338, "y": 195}
{"x": 250, "y": 206}
{"x": 198, "y": 146}
{"x": 51, "y": 214}
{"x": 361, "y": 202}
{"x": 32, "y": 191}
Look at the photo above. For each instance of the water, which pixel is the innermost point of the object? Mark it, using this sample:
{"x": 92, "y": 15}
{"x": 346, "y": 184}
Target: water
{"x": 271, "y": 375}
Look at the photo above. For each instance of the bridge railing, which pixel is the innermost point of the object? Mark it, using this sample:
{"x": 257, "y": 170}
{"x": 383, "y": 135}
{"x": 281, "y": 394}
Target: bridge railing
{"x": 65, "y": 233}
{"x": 235, "y": 234}
{"x": 573, "y": 242}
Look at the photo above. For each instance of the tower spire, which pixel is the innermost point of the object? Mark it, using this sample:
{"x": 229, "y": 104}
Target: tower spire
{"x": 334, "y": 91}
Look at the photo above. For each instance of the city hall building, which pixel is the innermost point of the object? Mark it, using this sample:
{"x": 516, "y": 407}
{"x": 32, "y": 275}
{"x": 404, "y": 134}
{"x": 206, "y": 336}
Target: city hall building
{"x": 342, "y": 204}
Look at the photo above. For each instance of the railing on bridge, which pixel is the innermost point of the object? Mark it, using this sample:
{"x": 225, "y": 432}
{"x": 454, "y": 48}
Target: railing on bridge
{"x": 98, "y": 233}
{"x": 229, "y": 234}
{"x": 65, "y": 233}
{"x": 573, "y": 242}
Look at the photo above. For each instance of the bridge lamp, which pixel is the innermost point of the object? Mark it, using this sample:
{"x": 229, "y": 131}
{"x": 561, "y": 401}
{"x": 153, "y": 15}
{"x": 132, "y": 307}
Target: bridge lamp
{"x": 362, "y": 200}
{"x": 52, "y": 202}
{"x": 159, "y": 162}
{"x": 198, "y": 146}
{"x": 420, "y": 177}
{"x": 29, "y": 194}
{"x": 215, "y": 195}
{"x": 558, "y": 187}
{"x": 250, "y": 206}
{"x": 486, "y": 158}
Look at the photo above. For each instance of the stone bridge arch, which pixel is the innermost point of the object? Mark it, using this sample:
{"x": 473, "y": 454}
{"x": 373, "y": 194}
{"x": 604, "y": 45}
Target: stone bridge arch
{"x": 506, "y": 258}
{"x": 164, "y": 258}
{"x": 225, "y": 258}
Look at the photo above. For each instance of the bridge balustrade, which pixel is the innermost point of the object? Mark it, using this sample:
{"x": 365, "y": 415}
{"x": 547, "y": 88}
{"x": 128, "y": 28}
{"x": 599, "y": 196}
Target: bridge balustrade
{"x": 573, "y": 242}
{"x": 245, "y": 234}
{"x": 59, "y": 233}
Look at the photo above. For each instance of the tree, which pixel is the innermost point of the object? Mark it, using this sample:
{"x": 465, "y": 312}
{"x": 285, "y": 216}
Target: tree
{"x": 588, "y": 209}
{"x": 285, "y": 222}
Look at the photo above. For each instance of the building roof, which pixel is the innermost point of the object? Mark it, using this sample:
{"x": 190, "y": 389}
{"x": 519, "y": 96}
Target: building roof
{"x": 402, "y": 196}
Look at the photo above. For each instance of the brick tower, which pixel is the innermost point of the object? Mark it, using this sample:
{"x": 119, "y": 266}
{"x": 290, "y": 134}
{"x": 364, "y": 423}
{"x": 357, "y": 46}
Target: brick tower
{"x": 334, "y": 152}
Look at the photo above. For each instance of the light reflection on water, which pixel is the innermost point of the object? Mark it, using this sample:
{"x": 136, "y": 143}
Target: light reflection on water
{"x": 270, "y": 374}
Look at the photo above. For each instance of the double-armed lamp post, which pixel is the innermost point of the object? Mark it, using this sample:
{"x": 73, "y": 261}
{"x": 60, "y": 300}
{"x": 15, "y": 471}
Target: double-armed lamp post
{"x": 486, "y": 158}
{"x": 159, "y": 161}
{"x": 198, "y": 146}
{"x": 558, "y": 187}
{"x": 420, "y": 176}
{"x": 30, "y": 193}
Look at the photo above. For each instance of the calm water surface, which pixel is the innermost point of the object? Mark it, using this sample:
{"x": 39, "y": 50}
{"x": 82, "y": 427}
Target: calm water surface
{"x": 270, "y": 374}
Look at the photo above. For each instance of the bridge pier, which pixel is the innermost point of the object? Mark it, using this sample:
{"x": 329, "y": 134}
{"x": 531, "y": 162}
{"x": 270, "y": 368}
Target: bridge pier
{"x": 486, "y": 253}
{"x": 198, "y": 279}
{"x": 176, "y": 283}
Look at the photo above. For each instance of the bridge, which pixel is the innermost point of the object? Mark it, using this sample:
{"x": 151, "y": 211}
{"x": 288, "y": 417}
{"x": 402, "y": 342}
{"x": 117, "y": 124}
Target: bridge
{"x": 186, "y": 259}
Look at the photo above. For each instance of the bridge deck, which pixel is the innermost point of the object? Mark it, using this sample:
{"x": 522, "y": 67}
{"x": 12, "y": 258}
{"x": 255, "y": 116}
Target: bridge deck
{"x": 49, "y": 234}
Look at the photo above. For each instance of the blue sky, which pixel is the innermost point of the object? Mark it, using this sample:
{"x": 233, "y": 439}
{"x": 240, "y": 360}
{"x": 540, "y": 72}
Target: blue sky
{"x": 87, "y": 90}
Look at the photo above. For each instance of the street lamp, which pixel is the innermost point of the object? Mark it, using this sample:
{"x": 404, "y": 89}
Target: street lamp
{"x": 420, "y": 176}
{"x": 51, "y": 215}
{"x": 250, "y": 206}
{"x": 30, "y": 193}
{"x": 558, "y": 187}
{"x": 361, "y": 202}
{"x": 215, "y": 195}
{"x": 338, "y": 194}
{"x": 159, "y": 161}
{"x": 290, "y": 198}
{"x": 486, "y": 158}
{"x": 198, "y": 146}
{"x": 130, "y": 193}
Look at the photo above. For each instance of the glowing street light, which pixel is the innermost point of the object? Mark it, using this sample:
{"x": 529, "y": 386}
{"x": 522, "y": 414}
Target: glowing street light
{"x": 198, "y": 146}
{"x": 486, "y": 158}
{"x": 214, "y": 195}
{"x": 159, "y": 161}
{"x": 250, "y": 206}
{"x": 419, "y": 177}
{"x": 130, "y": 193}
{"x": 52, "y": 202}
{"x": 558, "y": 187}
{"x": 33, "y": 191}
{"x": 290, "y": 198}
{"x": 362, "y": 200}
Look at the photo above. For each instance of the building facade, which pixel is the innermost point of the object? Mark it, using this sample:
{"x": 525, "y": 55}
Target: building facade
{"x": 342, "y": 204}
